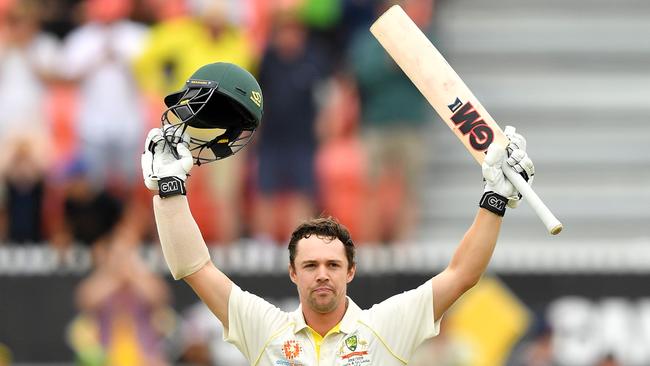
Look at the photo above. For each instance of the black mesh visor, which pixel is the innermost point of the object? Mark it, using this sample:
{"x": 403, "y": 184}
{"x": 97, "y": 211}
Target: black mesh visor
{"x": 229, "y": 127}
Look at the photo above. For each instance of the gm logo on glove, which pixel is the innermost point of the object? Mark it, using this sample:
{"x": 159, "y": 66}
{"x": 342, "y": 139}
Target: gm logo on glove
{"x": 170, "y": 186}
{"x": 496, "y": 203}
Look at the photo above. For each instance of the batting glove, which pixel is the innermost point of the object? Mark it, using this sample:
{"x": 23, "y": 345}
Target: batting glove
{"x": 161, "y": 170}
{"x": 498, "y": 191}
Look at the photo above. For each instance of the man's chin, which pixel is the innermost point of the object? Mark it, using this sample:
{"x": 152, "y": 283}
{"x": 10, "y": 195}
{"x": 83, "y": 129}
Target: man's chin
{"x": 323, "y": 305}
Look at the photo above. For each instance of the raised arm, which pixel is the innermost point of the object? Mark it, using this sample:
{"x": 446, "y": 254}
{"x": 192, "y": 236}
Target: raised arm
{"x": 183, "y": 246}
{"x": 475, "y": 249}
{"x": 468, "y": 263}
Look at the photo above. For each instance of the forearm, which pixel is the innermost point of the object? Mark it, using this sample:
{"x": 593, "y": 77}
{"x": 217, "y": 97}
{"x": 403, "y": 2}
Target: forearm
{"x": 182, "y": 244}
{"x": 475, "y": 249}
{"x": 187, "y": 256}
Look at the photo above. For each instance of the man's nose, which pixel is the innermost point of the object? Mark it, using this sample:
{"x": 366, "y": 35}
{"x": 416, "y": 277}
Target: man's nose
{"x": 322, "y": 274}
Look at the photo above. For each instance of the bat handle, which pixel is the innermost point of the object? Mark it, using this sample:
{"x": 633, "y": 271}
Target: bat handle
{"x": 553, "y": 225}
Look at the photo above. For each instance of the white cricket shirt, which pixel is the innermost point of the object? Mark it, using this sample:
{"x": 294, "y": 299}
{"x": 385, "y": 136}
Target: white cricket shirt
{"x": 386, "y": 334}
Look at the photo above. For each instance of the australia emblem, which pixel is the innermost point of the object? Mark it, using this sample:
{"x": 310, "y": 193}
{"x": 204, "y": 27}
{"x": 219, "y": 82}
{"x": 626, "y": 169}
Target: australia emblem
{"x": 351, "y": 343}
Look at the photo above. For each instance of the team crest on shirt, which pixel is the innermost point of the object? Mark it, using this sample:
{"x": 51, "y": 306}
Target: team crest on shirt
{"x": 351, "y": 343}
{"x": 354, "y": 351}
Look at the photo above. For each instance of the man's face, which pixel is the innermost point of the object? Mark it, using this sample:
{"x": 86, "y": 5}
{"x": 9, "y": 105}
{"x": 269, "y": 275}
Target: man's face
{"x": 321, "y": 273}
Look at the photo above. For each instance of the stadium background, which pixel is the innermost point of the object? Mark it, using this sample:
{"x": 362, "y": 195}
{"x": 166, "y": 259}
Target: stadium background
{"x": 573, "y": 76}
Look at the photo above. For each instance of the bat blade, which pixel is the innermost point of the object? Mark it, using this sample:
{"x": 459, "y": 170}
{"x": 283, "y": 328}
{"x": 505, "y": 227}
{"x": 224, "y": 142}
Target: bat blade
{"x": 449, "y": 96}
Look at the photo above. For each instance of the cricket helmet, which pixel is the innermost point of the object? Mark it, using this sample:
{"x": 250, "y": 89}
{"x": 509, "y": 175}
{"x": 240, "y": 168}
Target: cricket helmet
{"x": 220, "y": 107}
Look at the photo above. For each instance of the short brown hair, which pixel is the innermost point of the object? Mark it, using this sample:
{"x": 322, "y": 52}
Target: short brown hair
{"x": 324, "y": 228}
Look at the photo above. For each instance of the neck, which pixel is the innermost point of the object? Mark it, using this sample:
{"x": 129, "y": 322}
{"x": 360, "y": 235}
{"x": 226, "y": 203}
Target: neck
{"x": 323, "y": 322}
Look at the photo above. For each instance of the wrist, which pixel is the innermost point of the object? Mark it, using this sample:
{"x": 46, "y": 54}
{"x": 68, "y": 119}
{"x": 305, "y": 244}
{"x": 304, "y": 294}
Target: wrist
{"x": 494, "y": 202}
{"x": 171, "y": 186}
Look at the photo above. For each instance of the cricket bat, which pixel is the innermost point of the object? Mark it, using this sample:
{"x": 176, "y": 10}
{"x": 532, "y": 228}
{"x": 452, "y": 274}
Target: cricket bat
{"x": 450, "y": 97}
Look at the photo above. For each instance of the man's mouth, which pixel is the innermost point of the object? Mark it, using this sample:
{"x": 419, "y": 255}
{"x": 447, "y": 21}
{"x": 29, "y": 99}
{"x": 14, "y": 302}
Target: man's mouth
{"x": 323, "y": 289}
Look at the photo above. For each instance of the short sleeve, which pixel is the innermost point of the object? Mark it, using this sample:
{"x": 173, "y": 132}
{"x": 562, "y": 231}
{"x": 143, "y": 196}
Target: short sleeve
{"x": 406, "y": 320}
{"x": 251, "y": 322}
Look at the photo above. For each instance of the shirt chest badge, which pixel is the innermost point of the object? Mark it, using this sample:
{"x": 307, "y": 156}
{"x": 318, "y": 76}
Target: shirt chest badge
{"x": 354, "y": 351}
{"x": 351, "y": 343}
{"x": 291, "y": 350}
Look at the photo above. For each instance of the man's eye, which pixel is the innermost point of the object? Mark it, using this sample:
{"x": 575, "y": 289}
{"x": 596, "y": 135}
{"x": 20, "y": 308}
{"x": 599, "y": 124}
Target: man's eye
{"x": 335, "y": 265}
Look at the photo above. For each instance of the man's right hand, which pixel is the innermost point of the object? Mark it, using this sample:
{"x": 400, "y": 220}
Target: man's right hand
{"x": 160, "y": 169}
{"x": 499, "y": 191}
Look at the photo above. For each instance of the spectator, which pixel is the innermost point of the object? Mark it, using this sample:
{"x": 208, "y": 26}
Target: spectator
{"x": 110, "y": 119}
{"x": 186, "y": 38}
{"x": 292, "y": 69}
{"x": 202, "y": 337}
{"x": 60, "y": 16}
{"x": 23, "y": 174}
{"x": 120, "y": 302}
{"x": 341, "y": 163}
{"x": 446, "y": 349}
{"x": 537, "y": 350}
{"x": 90, "y": 213}
{"x": 608, "y": 360}
{"x": 28, "y": 61}
{"x": 177, "y": 46}
{"x": 393, "y": 114}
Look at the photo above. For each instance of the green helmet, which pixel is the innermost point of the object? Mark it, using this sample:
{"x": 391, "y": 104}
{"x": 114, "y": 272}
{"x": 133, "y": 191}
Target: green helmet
{"x": 220, "y": 107}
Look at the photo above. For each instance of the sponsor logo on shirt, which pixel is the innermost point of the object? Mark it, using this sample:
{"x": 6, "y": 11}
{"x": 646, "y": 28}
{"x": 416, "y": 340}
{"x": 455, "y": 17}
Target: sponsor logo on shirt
{"x": 291, "y": 350}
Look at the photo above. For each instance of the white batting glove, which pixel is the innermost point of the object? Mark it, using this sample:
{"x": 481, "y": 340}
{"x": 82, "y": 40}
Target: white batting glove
{"x": 162, "y": 171}
{"x": 498, "y": 190}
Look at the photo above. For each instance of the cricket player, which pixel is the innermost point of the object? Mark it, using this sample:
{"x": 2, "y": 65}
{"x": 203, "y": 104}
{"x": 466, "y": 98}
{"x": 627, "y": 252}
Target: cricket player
{"x": 328, "y": 328}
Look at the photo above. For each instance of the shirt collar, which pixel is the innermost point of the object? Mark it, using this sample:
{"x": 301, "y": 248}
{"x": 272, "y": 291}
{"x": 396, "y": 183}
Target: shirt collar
{"x": 347, "y": 324}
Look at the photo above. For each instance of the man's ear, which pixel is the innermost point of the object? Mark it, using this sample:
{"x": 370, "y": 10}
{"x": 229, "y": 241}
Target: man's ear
{"x": 292, "y": 273}
{"x": 351, "y": 272}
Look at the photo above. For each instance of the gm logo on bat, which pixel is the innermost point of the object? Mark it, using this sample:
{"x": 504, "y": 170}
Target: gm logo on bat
{"x": 468, "y": 121}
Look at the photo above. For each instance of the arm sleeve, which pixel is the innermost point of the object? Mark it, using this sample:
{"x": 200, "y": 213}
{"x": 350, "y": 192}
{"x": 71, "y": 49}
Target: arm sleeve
{"x": 406, "y": 320}
{"x": 252, "y": 321}
{"x": 183, "y": 247}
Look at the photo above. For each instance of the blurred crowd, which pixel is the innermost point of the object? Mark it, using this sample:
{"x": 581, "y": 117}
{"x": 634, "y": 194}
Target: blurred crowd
{"x": 81, "y": 83}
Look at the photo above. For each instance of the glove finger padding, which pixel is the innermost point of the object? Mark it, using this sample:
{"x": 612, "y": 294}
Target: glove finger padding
{"x": 159, "y": 161}
{"x": 495, "y": 180}
{"x": 518, "y": 159}
{"x": 514, "y": 156}
{"x": 517, "y": 141}
{"x": 522, "y": 164}
{"x": 146, "y": 161}
{"x": 154, "y": 137}
{"x": 492, "y": 164}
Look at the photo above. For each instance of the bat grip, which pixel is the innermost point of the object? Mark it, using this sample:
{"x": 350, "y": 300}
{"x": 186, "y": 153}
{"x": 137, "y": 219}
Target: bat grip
{"x": 553, "y": 225}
